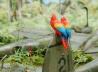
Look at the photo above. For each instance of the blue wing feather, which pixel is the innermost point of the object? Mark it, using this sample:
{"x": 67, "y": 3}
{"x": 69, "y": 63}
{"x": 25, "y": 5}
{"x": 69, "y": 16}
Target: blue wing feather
{"x": 68, "y": 31}
{"x": 63, "y": 32}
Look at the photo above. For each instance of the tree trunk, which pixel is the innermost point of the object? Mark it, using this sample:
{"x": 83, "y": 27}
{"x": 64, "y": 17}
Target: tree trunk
{"x": 64, "y": 6}
{"x": 14, "y": 9}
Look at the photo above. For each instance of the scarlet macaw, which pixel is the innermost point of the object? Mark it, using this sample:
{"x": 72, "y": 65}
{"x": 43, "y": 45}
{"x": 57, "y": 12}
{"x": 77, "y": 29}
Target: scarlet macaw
{"x": 52, "y": 22}
{"x": 60, "y": 30}
{"x": 67, "y": 26}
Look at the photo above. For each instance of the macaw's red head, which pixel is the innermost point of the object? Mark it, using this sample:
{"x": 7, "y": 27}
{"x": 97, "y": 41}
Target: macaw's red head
{"x": 64, "y": 20}
{"x": 53, "y": 19}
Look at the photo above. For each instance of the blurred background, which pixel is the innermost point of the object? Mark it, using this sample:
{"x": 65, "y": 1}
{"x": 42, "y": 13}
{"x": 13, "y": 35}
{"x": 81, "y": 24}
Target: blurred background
{"x": 28, "y": 20}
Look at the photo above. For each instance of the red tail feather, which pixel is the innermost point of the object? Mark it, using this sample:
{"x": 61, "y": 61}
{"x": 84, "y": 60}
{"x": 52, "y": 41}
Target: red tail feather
{"x": 65, "y": 43}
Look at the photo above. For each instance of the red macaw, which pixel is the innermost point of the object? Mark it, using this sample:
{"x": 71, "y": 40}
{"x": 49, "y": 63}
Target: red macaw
{"x": 60, "y": 30}
{"x": 52, "y": 22}
{"x": 67, "y": 26}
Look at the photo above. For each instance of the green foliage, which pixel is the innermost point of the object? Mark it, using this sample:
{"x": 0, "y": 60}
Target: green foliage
{"x": 3, "y": 17}
{"x": 13, "y": 4}
{"x": 6, "y": 37}
{"x": 37, "y": 60}
{"x": 33, "y": 10}
{"x": 81, "y": 58}
{"x": 19, "y": 56}
{"x": 41, "y": 50}
{"x": 22, "y": 56}
{"x": 36, "y": 8}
